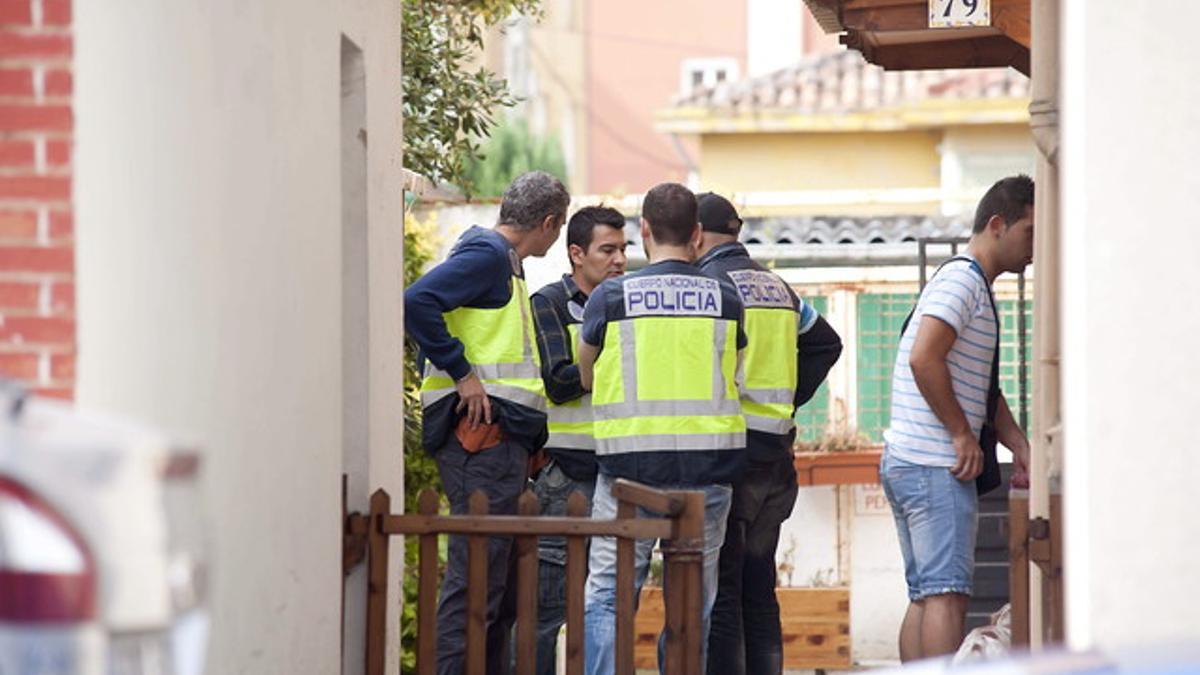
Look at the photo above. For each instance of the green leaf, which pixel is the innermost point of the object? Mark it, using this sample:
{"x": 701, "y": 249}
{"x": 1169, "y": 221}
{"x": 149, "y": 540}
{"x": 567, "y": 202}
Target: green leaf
{"x": 445, "y": 96}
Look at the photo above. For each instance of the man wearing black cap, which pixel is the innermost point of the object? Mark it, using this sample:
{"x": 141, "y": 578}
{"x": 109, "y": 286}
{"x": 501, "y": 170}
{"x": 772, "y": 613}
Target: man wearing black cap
{"x": 746, "y": 636}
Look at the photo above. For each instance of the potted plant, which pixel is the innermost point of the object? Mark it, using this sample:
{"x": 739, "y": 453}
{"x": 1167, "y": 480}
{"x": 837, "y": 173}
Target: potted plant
{"x": 841, "y": 456}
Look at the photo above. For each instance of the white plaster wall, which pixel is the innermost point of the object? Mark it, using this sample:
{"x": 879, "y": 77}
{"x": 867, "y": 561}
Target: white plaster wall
{"x": 1131, "y": 189}
{"x": 808, "y": 540}
{"x": 209, "y": 264}
{"x": 878, "y": 595}
{"x": 861, "y": 526}
{"x": 375, "y": 28}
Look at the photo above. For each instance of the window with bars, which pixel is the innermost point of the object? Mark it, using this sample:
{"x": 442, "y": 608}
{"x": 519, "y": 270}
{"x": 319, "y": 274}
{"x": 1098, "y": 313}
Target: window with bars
{"x": 880, "y": 316}
{"x": 813, "y": 417}
{"x": 1010, "y": 364}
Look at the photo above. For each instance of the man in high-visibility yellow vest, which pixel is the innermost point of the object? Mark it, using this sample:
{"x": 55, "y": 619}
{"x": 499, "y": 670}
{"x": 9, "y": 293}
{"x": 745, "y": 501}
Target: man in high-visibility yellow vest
{"x": 596, "y": 248}
{"x": 482, "y": 393}
{"x": 659, "y": 350}
{"x": 791, "y": 350}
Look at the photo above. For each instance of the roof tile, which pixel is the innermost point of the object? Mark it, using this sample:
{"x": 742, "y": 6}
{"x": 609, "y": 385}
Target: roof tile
{"x": 843, "y": 82}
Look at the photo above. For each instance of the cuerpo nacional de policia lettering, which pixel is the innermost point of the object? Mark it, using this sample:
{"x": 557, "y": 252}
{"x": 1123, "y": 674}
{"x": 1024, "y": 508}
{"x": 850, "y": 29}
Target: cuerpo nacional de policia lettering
{"x": 761, "y": 289}
{"x": 672, "y": 294}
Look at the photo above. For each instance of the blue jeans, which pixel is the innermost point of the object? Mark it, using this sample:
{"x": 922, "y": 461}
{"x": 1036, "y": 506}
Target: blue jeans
{"x": 600, "y": 599}
{"x": 553, "y": 488}
{"x": 936, "y": 520}
{"x": 746, "y": 636}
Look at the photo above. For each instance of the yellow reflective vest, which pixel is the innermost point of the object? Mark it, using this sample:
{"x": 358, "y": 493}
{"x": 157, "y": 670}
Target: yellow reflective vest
{"x": 771, "y": 373}
{"x": 499, "y": 345}
{"x": 570, "y": 423}
{"x": 665, "y": 379}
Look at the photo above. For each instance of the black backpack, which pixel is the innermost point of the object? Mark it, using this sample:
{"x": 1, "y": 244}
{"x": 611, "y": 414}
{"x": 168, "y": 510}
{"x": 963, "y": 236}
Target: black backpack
{"x": 990, "y": 478}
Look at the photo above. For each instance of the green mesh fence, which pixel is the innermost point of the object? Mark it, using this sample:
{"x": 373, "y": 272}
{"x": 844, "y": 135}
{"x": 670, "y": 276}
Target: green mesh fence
{"x": 813, "y": 417}
{"x": 880, "y": 316}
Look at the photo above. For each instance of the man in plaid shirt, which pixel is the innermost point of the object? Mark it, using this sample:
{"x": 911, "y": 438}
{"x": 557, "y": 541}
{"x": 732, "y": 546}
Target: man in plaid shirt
{"x": 596, "y": 246}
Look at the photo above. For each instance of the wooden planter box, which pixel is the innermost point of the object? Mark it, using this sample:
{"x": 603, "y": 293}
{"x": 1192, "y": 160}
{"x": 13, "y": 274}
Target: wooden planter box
{"x": 815, "y": 622}
{"x": 838, "y": 468}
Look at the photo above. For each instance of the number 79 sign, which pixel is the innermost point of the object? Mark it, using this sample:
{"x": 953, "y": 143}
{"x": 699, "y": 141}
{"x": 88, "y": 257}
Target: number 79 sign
{"x": 956, "y": 13}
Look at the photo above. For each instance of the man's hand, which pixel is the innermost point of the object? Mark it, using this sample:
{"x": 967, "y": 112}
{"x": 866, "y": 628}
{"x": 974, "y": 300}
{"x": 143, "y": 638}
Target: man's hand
{"x": 970, "y": 457}
{"x": 1010, "y": 435}
{"x": 473, "y": 397}
{"x": 1020, "y": 476}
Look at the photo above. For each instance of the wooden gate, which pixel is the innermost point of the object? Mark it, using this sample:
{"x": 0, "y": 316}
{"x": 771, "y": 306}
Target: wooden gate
{"x": 681, "y": 528}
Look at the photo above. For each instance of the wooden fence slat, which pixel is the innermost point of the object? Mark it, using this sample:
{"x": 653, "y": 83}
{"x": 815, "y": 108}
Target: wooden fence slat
{"x": 377, "y": 581}
{"x": 1055, "y": 621}
{"x": 656, "y": 501}
{"x": 477, "y": 589}
{"x": 624, "y": 638}
{"x": 694, "y": 606}
{"x": 577, "y": 506}
{"x": 1018, "y": 571}
{"x": 527, "y": 589}
{"x": 427, "y": 589}
{"x": 683, "y": 561}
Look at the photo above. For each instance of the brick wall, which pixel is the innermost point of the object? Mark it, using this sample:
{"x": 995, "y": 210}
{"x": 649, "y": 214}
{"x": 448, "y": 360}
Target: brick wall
{"x": 37, "y": 257}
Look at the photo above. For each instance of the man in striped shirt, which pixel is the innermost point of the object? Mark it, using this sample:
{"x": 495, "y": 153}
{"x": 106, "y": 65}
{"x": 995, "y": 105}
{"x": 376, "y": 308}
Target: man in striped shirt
{"x": 939, "y": 401}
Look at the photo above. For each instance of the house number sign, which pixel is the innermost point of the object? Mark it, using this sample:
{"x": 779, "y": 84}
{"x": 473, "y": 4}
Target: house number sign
{"x": 957, "y": 13}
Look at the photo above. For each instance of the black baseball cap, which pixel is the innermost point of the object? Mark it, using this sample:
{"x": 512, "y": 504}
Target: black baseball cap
{"x": 715, "y": 213}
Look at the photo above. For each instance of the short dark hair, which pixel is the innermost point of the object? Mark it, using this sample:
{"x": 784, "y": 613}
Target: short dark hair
{"x": 530, "y": 198}
{"x": 670, "y": 208}
{"x": 582, "y": 226}
{"x": 1007, "y": 198}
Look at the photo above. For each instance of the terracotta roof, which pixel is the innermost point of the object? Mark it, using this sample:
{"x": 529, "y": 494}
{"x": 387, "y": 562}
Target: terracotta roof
{"x": 805, "y": 231}
{"x": 843, "y": 82}
{"x": 851, "y": 229}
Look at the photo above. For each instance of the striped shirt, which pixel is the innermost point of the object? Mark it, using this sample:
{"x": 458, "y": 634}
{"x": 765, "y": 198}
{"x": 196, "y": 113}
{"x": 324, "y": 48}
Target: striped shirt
{"x": 958, "y": 295}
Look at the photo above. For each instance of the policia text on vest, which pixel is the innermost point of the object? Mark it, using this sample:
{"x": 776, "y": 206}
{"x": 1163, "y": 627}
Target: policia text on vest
{"x": 664, "y": 386}
{"x": 672, "y": 294}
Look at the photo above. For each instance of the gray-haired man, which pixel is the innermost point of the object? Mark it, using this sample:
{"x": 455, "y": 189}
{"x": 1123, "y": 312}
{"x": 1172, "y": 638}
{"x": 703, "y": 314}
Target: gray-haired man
{"x": 482, "y": 392}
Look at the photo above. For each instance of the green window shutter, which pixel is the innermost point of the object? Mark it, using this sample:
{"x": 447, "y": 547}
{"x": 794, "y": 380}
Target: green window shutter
{"x": 880, "y": 316}
{"x": 813, "y": 417}
{"x": 1009, "y": 357}
{"x": 879, "y": 319}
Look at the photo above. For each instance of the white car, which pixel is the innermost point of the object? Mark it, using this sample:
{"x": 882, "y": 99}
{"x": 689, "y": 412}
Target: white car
{"x": 102, "y": 545}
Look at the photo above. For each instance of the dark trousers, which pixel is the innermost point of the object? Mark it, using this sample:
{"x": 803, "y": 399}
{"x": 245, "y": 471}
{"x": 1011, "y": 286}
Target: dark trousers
{"x": 746, "y": 637}
{"x": 499, "y": 472}
{"x": 553, "y": 487}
